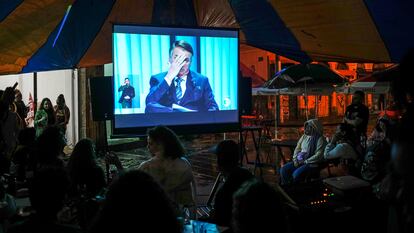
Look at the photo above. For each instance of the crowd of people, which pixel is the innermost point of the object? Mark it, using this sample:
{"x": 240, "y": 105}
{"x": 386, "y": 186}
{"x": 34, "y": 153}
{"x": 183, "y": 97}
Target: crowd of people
{"x": 382, "y": 158}
{"x": 77, "y": 196}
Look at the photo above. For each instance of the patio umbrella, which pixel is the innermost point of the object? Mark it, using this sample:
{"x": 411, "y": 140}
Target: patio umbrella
{"x": 304, "y": 75}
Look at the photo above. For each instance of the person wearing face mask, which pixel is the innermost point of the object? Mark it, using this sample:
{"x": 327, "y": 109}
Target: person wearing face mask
{"x": 307, "y": 156}
{"x": 180, "y": 89}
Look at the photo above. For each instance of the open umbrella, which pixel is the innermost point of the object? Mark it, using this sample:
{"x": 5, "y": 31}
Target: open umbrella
{"x": 377, "y": 83}
{"x": 303, "y": 74}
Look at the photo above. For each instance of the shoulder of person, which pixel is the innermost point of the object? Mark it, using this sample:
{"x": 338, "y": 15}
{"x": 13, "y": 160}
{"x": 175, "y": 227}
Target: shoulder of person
{"x": 197, "y": 76}
{"x": 322, "y": 139}
{"x": 143, "y": 166}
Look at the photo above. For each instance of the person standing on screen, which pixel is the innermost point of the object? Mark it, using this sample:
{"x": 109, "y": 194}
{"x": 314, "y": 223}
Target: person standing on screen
{"x": 180, "y": 89}
{"x": 128, "y": 93}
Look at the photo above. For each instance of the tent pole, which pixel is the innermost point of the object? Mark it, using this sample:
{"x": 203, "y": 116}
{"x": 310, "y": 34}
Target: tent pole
{"x": 35, "y": 93}
{"x": 306, "y": 102}
{"x": 73, "y": 107}
{"x": 276, "y": 116}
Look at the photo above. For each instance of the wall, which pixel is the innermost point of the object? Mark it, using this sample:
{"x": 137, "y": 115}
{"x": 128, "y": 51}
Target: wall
{"x": 250, "y": 57}
{"x": 25, "y": 84}
{"x": 50, "y": 84}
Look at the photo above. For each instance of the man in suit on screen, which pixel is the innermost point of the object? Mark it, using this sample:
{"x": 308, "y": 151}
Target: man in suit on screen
{"x": 180, "y": 89}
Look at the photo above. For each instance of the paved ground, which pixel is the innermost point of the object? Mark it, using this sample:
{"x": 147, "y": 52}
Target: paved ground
{"x": 204, "y": 161}
{"x": 133, "y": 152}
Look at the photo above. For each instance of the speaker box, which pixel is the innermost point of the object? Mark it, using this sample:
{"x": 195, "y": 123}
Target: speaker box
{"x": 102, "y": 98}
{"x": 245, "y": 95}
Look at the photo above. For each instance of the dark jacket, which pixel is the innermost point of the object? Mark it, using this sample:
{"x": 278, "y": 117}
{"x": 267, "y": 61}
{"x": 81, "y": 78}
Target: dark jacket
{"x": 198, "y": 95}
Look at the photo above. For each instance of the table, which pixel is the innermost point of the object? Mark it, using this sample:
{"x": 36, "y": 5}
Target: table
{"x": 279, "y": 144}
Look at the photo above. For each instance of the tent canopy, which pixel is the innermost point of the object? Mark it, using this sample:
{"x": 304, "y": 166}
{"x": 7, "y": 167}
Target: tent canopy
{"x": 40, "y": 35}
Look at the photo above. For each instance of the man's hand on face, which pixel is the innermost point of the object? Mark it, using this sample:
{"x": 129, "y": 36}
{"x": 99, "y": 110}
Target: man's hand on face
{"x": 175, "y": 67}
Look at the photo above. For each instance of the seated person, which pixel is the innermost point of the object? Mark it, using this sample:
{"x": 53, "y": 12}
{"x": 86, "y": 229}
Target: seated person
{"x": 23, "y": 154}
{"x": 87, "y": 181}
{"x": 234, "y": 176}
{"x": 168, "y": 165}
{"x": 7, "y": 207}
{"x": 180, "y": 89}
{"x": 257, "y": 207}
{"x": 343, "y": 147}
{"x": 308, "y": 154}
{"x": 135, "y": 202}
{"x": 49, "y": 147}
{"x": 86, "y": 176}
{"x": 378, "y": 154}
{"x": 47, "y": 194}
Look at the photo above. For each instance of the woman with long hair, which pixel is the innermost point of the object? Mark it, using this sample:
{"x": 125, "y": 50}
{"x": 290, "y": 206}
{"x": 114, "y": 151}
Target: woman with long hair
{"x": 62, "y": 113}
{"x": 168, "y": 165}
{"x": 44, "y": 117}
{"x": 87, "y": 182}
{"x": 86, "y": 176}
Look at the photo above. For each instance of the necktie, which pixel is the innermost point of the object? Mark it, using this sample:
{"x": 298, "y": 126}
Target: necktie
{"x": 178, "y": 90}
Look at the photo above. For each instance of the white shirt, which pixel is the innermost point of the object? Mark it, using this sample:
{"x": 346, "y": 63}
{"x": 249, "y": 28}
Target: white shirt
{"x": 340, "y": 150}
{"x": 174, "y": 175}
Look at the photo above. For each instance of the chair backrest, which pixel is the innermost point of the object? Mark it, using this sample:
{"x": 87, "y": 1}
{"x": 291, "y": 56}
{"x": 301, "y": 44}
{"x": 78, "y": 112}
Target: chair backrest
{"x": 191, "y": 210}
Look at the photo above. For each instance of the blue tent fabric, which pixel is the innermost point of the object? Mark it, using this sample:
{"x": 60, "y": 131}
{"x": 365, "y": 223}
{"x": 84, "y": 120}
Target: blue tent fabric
{"x": 302, "y": 30}
{"x": 8, "y": 6}
{"x": 162, "y": 14}
{"x": 83, "y": 23}
{"x": 389, "y": 16}
{"x": 265, "y": 29}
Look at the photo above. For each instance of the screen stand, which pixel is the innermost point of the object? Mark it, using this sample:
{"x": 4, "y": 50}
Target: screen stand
{"x": 103, "y": 147}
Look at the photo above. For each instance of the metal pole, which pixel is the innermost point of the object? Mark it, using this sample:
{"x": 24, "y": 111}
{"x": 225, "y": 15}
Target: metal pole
{"x": 73, "y": 107}
{"x": 277, "y": 69}
{"x": 306, "y": 102}
{"x": 34, "y": 93}
{"x": 276, "y": 116}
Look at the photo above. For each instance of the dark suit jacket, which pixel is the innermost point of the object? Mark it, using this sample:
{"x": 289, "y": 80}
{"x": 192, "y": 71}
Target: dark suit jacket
{"x": 198, "y": 95}
{"x": 126, "y": 91}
